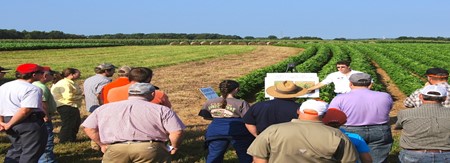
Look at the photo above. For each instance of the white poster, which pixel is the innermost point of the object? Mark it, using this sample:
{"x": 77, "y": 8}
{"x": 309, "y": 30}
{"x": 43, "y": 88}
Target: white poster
{"x": 303, "y": 80}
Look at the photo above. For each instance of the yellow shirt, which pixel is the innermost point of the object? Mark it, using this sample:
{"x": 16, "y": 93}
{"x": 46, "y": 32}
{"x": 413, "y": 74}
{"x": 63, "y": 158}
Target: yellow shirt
{"x": 67, "y": 92}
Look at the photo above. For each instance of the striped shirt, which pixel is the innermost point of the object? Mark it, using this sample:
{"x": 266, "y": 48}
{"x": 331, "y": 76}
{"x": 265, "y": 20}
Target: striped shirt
{"x": 414, "y": 101}
{"x": 425, "y": 127}
{"x": 92, "y": 88}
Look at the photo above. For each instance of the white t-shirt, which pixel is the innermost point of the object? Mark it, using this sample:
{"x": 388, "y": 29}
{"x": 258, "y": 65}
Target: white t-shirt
{"x": 340, "y": 80}
{"x": 19, "y": 94}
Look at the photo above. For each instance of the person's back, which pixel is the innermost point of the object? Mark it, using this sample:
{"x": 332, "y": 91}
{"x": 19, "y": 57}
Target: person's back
{"x": 361, "y": 105}
{"x": 120, "y": 93}
{"x": 265, "y": 113}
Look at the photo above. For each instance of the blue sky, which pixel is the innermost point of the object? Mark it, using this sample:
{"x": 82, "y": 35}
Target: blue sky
{"x": 327, "y": 19}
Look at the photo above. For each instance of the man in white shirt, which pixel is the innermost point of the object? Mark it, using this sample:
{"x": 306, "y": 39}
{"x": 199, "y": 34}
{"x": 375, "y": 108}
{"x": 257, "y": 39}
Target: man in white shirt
{"x": 339, "y": 78}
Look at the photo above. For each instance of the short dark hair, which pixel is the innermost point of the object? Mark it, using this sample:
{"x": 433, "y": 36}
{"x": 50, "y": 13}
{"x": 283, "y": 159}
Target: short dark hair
{"x": 27, "y": 75}
{"x": 343, "y": 62}
{"x": 362, "y": 83}
{"x": 140, "y": 74}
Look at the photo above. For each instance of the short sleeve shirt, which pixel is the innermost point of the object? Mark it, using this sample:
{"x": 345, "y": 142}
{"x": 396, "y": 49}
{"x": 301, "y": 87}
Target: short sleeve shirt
{"x": 133, "y": 119}
{"x": 19, "y": 94}
{"x": 92, "y": 87}
{"x": 340, "y": 80}
{"x": 47, "y": 97}
{"x": 235, "y": 108}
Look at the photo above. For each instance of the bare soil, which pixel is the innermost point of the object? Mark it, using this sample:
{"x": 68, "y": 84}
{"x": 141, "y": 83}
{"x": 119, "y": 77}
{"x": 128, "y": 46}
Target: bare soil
{"x": 181, "y": 82}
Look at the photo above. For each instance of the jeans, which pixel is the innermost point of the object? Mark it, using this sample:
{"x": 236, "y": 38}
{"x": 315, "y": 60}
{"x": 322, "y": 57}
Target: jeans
{"x": 48, "y": 156}
{"x": 218, "y": 147}
{"x": 377, "y": 137}
{"x": 407, "y": 156}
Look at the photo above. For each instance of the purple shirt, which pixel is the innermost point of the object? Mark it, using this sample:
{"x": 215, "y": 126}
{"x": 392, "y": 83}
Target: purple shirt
{"x": 364, "y": 106}
{"x": 133, "y": 119}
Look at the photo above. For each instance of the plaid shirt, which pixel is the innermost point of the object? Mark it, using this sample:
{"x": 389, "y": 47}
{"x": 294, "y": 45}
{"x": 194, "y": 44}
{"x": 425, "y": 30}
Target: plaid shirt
{"x": 413, "y": 100}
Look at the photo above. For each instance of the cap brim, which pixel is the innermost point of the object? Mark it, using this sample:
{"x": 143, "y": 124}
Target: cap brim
{"x": 272, "y": 92}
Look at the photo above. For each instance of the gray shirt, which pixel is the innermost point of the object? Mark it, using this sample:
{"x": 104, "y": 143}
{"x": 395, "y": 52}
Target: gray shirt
{"x": 425, "y": 127}
{"x": 92, "y": 88}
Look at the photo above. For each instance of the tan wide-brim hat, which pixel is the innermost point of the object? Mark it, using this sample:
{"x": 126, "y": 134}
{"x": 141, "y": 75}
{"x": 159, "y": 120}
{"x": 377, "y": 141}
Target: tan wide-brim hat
{"x": 286, "y": 89}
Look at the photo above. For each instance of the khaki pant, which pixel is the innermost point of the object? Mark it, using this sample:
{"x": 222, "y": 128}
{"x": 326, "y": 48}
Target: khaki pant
{"x": 137, "y": 152}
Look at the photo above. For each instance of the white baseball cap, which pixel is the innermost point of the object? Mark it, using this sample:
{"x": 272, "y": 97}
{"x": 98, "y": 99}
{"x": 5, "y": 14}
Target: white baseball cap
{"x": 434, "y": 91}
{"x": 319, "y": 106}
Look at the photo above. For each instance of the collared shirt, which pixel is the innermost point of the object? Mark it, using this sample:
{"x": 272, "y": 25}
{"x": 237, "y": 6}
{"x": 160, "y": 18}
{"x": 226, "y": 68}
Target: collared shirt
{"x": 414, "y": 101}
{"x": 364, "y": 106}
{"x": 340, "y": 80}
{"x": 425, "y": 127}
{"x": 67, "y": 92}
{"x": 121, "y": 81}
{"x": 19, "y": 94}
{"x": 47, "y": 97}
{"x": 121, "y": 93}
{"x": 303, "y": 141}
{"x": 133, "y": 119}
{"x": 92, "y": 88}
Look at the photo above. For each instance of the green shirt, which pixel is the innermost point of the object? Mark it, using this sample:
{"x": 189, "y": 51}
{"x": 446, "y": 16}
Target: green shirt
{"x": 303, "y": 141}
{"x": 47, "y": 97}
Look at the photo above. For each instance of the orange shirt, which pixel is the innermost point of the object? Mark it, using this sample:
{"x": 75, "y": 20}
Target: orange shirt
{"x": 121, "y": 81}
{"x": 121, "y": 93}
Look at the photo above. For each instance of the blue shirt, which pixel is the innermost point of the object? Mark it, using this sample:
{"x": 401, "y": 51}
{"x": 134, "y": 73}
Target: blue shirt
{"x": 358, "y": 141}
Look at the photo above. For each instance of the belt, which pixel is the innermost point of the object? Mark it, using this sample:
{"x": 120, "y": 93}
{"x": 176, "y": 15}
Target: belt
{"x": 429, "y": 150}
{"x": 136, "y": 141}
{"x": 366, "y": 125}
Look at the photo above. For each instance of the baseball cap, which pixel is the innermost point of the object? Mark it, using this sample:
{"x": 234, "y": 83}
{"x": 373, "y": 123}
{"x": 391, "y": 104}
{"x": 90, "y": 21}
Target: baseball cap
{"x": 434, "y": 91}
{"x": 106, "y": 66}
{"x": 360, "y": 78}
{"x": 334, "y": 115}
{"x": 124, "y": 70}
{"x": 437, "y": 72}
{"x": 318, "y": 106}
{"x": 28, "y": 68}
{"x": 2, "y": 69}
{"x": 141, "y": 88}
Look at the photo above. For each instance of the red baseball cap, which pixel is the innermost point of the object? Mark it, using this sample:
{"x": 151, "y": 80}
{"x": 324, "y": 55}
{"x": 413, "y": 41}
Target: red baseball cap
{"x": 334, "y": 115}
{"x": 28, "y": 68}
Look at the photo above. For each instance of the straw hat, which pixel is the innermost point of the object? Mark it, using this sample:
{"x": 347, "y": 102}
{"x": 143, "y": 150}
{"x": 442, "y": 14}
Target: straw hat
{"x": 286, "y": 89}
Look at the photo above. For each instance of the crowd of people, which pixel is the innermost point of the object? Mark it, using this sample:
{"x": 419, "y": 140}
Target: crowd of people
{"x": 131, "y": 120}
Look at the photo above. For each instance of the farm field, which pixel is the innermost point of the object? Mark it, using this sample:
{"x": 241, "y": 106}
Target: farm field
{"x": 179, "y": 70}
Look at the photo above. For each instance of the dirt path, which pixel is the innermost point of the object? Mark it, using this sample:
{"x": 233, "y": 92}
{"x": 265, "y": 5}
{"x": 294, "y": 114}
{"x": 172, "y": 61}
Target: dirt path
{"x": 181, "y": 82}
{"x": 397, "y": 95}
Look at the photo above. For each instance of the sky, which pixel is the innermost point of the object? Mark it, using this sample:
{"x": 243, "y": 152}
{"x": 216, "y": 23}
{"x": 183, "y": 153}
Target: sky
{"x": 327, "y": 19}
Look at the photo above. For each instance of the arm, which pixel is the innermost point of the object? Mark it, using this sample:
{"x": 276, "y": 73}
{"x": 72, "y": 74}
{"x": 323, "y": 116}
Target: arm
{"x": 365, "y": 157}
{"x": 412, "y": 100}
{"x": 317, "y": 86}
{"x": 175, "y": 140}
{"x": 21, "y": 114}
{"x": 45, "y": 108}
{"x": 93, "y": 134}
{"x": 252, "y": 129}
{"x": 259, "y": 160}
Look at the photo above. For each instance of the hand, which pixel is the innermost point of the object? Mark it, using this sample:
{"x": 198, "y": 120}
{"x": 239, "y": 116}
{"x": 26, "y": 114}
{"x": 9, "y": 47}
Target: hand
{"x": 4, "y": 126}
{"x": 46, "y": 119}
{"x": 173, "y": 151}
{"x": 103, "y": 148}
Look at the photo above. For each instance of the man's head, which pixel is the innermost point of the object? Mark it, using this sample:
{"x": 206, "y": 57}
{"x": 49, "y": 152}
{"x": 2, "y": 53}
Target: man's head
{"x": 146, "y": 90}
{"x": 436, "y": 75}
{"x": 48, "y": 74}
{"x": 286, "y": 89}
{"x": 140, "y": 75}
{"x": 360, "y": 80}
{"x": 312, "y": 109}
{"x": 124, "y": 71}
{"x": 343, "y": 66}
{"x": 106, "y": 69}
{"x": 433, "y": 94}
{"x": 29, "y": 71}
{"x": 3, "y": 71}
{"x": 334, "y": 118}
